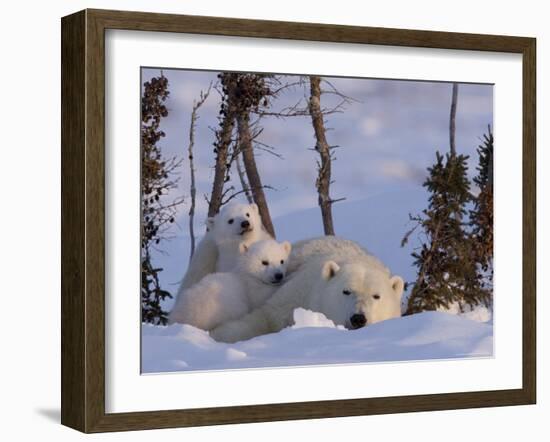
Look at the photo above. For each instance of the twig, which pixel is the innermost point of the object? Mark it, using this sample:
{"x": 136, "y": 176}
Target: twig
{"x": 242, "y": 178}
{"x": 194, "y": 118}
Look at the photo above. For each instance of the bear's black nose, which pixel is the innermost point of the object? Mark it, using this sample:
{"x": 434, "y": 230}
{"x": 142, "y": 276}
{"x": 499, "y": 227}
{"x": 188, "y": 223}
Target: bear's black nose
{"x": 358, "y": 320}
{"x": 278, "y": 276}
{"x": 245, "y": 224}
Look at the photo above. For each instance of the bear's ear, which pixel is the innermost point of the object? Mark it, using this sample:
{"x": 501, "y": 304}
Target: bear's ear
{"x": 209, "y": 223}
{"x": 397, "y": 285}
{"x": 254, "y": 207}
{"x": 287, "y": 247}
{"x": 243, "y": 248}
{"x": 330, "y": 268}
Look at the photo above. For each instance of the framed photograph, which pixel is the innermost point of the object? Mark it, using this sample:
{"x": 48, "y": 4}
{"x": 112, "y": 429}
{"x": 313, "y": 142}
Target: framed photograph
{"x": 268, "y": 220}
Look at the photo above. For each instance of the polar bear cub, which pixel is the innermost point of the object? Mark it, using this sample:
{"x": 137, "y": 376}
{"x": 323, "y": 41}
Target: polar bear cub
{"x": 218, "y": 251}
{"x": 236, "y": 225}
{"x": 225, "y": 296}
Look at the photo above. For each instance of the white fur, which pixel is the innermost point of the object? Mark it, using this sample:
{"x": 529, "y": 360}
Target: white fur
{"x": 329, "y": 247}
{"x": 228, "y": 234}
{"x": 323, "y": 269}
{"x": 222, "y": 297}
{"x": 219, "y": 249}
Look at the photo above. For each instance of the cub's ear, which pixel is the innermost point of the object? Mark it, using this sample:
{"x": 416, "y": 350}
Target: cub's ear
{"x": 287, "y": 247}
{"x": 254, "y": 207}
{"x": 330, "y": 268}
{"x": 243, "y": 248}
{"x": 397, "y": 285}
{"x": 209, "y": 223}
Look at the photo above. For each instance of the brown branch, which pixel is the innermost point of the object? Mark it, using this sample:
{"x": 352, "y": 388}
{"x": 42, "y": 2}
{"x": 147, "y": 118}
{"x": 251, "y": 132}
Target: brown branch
{"x": 409, "y": 232}
{"x": 322, "y": 147}
{"x": 338, "y": 109}
{"x": 193, "y": 190}
{"x": 239, "y": 192}
{"x": 333, "y": 90}
{"x": 244, "y": 184}
{"x": 267, "y": 149}
{"x": 452, "y": 119}
{"x": 277, "y": 91}
{"x": 220, "y": 170}
{"x": 336, "y": 200}
{"x": 245, "y": 146}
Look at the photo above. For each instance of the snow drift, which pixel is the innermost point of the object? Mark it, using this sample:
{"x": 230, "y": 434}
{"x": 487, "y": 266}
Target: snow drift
{"x": 315, "y": 340}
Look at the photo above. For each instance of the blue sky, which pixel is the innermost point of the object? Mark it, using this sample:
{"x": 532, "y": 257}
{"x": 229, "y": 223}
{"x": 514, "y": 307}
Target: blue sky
{"x": 387, "y": 138}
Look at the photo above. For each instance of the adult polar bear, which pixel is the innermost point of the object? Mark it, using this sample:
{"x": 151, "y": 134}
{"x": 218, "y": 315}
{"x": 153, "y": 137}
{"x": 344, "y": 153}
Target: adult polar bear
{"x": 236, "y": 225}
{"x": 331, "y": 275}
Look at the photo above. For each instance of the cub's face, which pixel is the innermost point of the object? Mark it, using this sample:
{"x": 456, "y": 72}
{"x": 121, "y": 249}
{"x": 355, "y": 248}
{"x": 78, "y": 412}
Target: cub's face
{"x": 235, "y": 220}
{"x": 265, "y": 260}
{"x": 355, "y": 296}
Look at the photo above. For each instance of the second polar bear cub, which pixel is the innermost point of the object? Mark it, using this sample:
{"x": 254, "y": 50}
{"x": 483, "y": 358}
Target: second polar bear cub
{"x": 222, "y": 297}
{"x": 218, "y": 251}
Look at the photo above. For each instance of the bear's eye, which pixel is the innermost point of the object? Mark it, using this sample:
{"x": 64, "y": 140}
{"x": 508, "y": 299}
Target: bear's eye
{"x": 282, "y": 261}
{"x": 230, "y": 221}
{"x": 376, "y": 296}
{"x": 248, "y": 215}
{"x": 265, "y": 263}
{"x": 347, "y": 292}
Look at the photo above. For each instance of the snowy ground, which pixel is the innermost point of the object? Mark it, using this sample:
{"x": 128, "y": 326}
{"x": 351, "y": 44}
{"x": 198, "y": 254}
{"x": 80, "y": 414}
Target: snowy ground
{"x": 378, "y": 223}
{"x": 314, "y": 340}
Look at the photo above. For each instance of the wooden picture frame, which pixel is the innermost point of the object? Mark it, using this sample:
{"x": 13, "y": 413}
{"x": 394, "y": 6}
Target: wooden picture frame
{"x": 83, "y": 220}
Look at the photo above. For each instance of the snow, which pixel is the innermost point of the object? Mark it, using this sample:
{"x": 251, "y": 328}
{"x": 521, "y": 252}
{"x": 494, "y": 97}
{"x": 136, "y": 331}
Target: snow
{"x": 479, "y": 313}
{"x": 232, "y": 354}
{"x": 306, "y": 318}
{"x": 315, "y": 340}
{"x": 377, "y": 222}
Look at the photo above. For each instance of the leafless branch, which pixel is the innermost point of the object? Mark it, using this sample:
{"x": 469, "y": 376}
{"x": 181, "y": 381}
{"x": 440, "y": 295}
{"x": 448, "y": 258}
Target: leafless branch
{"x": 239, "y": 192}
{"x": 242, "y": 178}
{"x": 322, "y": 147}
{"x": 246, "y": 147}
{"x": 452, "y": 119}
{"x": 194, "y": 117}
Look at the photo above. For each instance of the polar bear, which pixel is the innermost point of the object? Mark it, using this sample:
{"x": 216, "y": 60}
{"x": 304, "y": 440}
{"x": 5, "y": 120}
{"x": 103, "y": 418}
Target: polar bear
{"x": 332, "y": 276}
{"x": 218, "y": 251}
{"x": 235, "y": 225}
{"x": 329, "y": 247}
{"x": 222, "y": 297}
